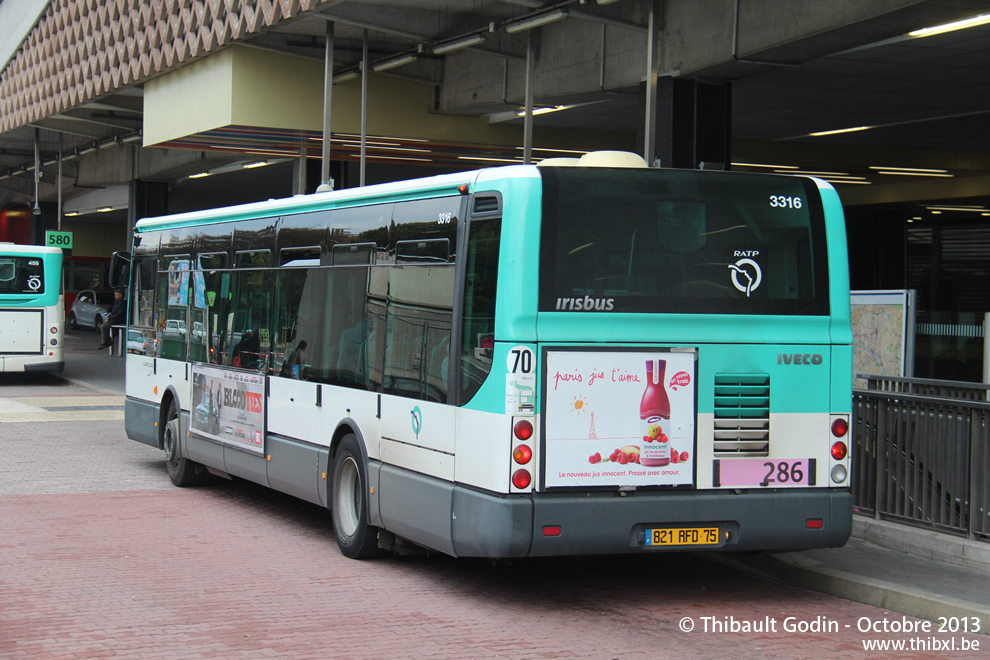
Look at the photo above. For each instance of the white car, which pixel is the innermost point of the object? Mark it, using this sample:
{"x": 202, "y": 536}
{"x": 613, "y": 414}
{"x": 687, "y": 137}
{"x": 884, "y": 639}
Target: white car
{"x": 89, "y": 309}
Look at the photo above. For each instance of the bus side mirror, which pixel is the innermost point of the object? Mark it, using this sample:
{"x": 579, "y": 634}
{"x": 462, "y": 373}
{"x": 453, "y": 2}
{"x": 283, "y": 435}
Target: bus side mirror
{"x": 120, "y": 270}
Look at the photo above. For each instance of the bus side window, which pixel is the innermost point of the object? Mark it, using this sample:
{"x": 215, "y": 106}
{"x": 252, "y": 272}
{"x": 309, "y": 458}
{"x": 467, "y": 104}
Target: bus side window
{"x": 143, "y": 291}
{"x": 478, "y": 325}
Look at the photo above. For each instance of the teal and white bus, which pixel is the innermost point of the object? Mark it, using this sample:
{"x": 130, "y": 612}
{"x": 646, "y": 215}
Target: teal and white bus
{"x": 519, "y": 361}
{"x": 32, "y": 312}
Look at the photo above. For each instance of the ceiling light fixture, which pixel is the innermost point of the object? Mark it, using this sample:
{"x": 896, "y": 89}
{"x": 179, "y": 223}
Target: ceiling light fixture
{"x": 982, "y": 19}
{"x": 908, "y": 169}
{"x": 967, "y": 209}
{"x": 944, "y": 176}
{"x": 345, "y": 76}
{"x": 840, "y": 130}
{"x": 535, "y": 21}
{"x": 104, "y": 209}
{"x": 817, "y": 173}
{"x": 542, "y": 111}
{"x": 458, "y": 44}
{"x": 251, "y": 166}
{"x": 401, "y": 60}
{"x": 199, "y": 176}
{"x": 778, "y": 167}
{"x": 494, "y": 160}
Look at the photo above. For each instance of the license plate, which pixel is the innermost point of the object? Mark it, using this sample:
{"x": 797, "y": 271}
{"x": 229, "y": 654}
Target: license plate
{"x": 766, "y": 472}
{"x": 682, "y": 536}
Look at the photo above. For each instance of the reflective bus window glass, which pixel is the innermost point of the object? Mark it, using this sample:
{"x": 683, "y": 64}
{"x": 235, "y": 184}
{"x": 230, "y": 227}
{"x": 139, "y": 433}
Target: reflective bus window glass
{"x": 249, "y": 320}
{"x": 22, "y": 275}
{"x": 355, "y": 315}
{"x": 417, "y": 342}
{"x": 354, "y": 254}
{"x": 302, "y": 256}
{"x": 300, "y": 344}
{"x": 143, "y": 291}
{"x": 422, "y": 226}
{"x": 173, "y": 308}
{"x": 212, "y": 260}
{"x": 478, "y": 323}
{"x": 678, "y": 241}
{"x": 253, "y": 259}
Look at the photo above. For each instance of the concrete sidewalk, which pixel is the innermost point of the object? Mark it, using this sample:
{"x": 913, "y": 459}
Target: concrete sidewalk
{"x": 90, "y": 367}
{"x": 922, "y": 573}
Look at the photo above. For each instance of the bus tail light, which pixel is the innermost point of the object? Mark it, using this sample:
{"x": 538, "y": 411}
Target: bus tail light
{"x": 839, "y": 450}
{"x": 840, "y": 426}
{"x": 522, "y": 454}
{"x": 521, "y": 478}
{"x": 54, "y": 330}
{"x": 523, "y": 429}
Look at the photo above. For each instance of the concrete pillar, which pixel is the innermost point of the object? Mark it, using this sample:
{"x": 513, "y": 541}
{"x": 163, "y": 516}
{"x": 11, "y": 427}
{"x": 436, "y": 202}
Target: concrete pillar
{"x": 145, "y": 199}
{"x": 693, "y": 123}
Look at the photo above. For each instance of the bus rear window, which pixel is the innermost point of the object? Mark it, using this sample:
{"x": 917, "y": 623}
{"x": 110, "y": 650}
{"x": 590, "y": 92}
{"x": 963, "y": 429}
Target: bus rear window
{"x": 681, "y": 241}
{"x": 22, "y": 275}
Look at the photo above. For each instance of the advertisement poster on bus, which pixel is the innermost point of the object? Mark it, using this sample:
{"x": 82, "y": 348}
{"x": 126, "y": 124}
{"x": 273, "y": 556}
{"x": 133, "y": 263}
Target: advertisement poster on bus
{"x": 229, "y": 407}
{"x": 620, "y": 418}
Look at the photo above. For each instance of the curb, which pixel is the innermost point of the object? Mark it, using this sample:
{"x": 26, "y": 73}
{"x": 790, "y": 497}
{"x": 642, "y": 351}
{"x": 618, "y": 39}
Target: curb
{"x": 924, "y": 543}
{"x": 799, "y": 571}
{"x": 804, "y": 572}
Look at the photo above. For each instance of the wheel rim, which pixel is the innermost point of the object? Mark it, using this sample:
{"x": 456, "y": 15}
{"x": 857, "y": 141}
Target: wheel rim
{"x": 171, "y": 444}
{"x": 347, "y": 503}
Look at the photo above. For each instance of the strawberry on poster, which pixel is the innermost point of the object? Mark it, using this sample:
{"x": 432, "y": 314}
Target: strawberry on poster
{"x": 599, "y": 428}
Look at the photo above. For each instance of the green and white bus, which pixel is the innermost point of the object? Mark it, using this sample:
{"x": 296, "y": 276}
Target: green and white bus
{"x": 32, "y": 312}
{"x": 517, "y": 361}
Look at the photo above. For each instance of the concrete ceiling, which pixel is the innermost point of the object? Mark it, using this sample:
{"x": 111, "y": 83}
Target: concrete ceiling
{"x": 925, "y": 101}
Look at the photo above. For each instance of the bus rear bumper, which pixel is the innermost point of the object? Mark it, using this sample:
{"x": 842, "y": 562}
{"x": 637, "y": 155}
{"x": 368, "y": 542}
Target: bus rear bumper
{"x": 485, "y": 525}
{"x": 56, "y": 367}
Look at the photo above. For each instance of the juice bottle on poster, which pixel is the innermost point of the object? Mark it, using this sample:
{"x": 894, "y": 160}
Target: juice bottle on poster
{"x": 654, "y": 413}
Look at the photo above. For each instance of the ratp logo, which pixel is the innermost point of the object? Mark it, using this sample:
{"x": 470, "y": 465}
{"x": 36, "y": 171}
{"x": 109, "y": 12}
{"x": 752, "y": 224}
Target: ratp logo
{"x": 750, "y": 271}
{"x": 417, "y": 420}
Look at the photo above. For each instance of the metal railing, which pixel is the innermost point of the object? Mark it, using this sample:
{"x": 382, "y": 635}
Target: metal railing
{"x": 946, "y": 389}
{"x": 923, "y": 459}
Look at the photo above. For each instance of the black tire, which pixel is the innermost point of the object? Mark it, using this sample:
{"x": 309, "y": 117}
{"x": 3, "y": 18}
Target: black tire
{"x": 73, "y": 325}
{"x": 349, "y": 505}
{"x": 181, "y": 471}
{"x": 99, "y": 322}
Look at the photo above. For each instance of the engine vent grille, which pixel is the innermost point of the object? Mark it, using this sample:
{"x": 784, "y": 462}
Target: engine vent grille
{"x": 742, "y": 415}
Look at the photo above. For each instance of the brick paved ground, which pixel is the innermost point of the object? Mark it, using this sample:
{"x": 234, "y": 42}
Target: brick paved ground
{"x": 100, "y": 557}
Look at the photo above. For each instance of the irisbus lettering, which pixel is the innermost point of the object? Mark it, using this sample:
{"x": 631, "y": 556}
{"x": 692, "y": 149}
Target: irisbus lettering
{"x": 586, "y": 304}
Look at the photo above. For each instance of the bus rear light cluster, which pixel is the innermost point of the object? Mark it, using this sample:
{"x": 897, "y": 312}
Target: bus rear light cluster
{"x": 54, "y": 330}
{"x": 839, "y": 449}
{"x": 522, "y": 454}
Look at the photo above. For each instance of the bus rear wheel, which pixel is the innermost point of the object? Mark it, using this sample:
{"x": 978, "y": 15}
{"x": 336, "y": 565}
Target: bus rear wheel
{"x": 181, "y": 471}
{"x": 349, "y": 507}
